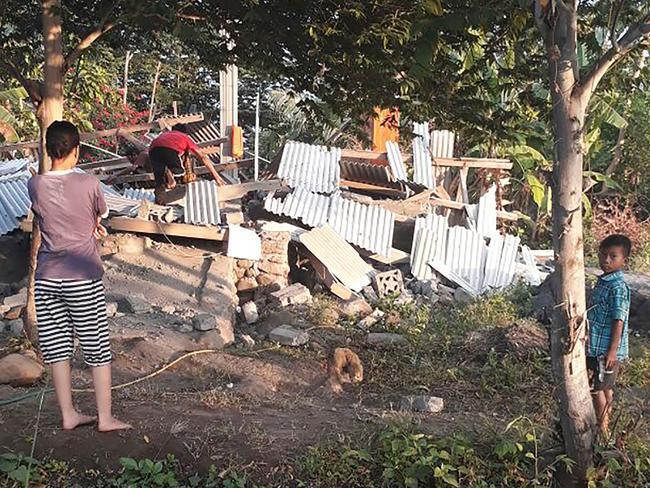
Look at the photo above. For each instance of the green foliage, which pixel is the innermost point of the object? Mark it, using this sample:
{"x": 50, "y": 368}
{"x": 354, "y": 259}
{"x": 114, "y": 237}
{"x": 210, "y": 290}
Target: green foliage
{"x": 146, "y": 473}
{"x": 19, "y": 469}
{"x": 401, "y": 456}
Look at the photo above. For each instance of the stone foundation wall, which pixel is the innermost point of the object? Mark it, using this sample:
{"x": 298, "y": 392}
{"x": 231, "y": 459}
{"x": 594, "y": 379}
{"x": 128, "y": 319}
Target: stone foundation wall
{"x": 271, "y": 272}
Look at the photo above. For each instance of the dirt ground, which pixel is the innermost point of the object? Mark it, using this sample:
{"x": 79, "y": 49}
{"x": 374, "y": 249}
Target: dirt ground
{"x": 261, "y": 407}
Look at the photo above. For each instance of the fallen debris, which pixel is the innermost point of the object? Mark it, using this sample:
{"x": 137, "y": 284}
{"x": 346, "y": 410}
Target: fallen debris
{"x": 292, "y": 295}
{"x": 249, "y": 310}
{"x": 371, "y": 319}
{"x": 389, "y": 283}
{"x": 133, "y": 304}
{"x": 385, "y": 339}
{"x": 287, "y": 335}
{"x": 355, "y": 306}
{"x": 422, "y": 403}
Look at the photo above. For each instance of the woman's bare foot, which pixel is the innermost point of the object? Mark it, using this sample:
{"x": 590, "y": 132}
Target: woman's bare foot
{"x": 112, "y": 424}
{"x": 72, "y": 421}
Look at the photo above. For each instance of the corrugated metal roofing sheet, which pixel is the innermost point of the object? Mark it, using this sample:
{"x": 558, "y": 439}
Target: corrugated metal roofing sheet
{"x": 202, "y": 203}
{"x": 422, "y": 166}
{"x": 396, "y": 162}
{"x": 466, "y": 254}
{"x": 428, "y": 246}
{"x": 339, "y": 257}
{"x": 315, "y": 168}
{"x": 486, "y": 221}
{"x": 203, "y": 131}
{"x": 422, "y": 129}
{"x": 310, "y": 208}
{"x": 14, "y": 202}
{"x": 442, "y": 143}
{"x": 140, "y": 194}
{"x": 368, "y": 226}
{"x": 367, "y": 173}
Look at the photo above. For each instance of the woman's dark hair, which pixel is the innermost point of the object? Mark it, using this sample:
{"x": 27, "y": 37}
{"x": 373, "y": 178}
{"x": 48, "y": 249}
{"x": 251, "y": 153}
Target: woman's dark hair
{"x": 180, "y": 128}
{"x": 61, "y": 138}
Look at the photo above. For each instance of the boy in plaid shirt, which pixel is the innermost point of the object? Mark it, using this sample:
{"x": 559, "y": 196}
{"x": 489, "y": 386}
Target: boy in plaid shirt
{"x": 608, "y": 313}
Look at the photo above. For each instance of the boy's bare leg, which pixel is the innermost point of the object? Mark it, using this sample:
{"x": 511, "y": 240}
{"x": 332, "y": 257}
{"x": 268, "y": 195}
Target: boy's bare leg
{"x": 600, "y": 405}
{"x": 62, "y": 378}
{"x": 609, "y": 401}
{"x": 102, "y": 381}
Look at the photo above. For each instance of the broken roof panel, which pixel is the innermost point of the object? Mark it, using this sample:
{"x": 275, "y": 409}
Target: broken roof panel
{"x": 396, "y": 162}
{"x": 202, "y": 203}
{"x": 339, "y": 257}
{"x": 14, "y": 202}
{"x": 315, "y": 168}
{"x": 428, "y": 246}
{"x": 202, "y": 131}
{"x": 422, "y": 166}
{"x": 310, "y": 208}
{"x": 466, "y": 254}
{"x": 140, "y": 194}
{"x": 375, "y": 174}
{"x": 442, "y": 143}
{"x": 368, "y": 226}
{"x": 422, "y": 129}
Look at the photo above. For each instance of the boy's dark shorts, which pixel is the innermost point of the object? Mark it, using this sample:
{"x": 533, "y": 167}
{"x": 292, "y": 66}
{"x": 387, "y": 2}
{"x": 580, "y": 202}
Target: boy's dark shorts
{"x": 609, "y": 377}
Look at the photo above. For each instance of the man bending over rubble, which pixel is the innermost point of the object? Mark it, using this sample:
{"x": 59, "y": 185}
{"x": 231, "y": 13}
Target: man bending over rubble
{"x": 171, "y": 151}
{"x": 69, "y": 293}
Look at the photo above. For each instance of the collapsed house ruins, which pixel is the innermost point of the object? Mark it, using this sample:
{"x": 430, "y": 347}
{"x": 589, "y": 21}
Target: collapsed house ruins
{"x": 352, "y": 216}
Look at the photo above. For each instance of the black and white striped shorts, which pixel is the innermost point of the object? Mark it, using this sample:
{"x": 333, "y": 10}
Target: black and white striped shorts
{"x": 65, "y": 308}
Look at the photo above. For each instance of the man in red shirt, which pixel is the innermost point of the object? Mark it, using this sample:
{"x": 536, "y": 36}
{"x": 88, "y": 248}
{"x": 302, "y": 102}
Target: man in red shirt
{"x": 168, "y": 152}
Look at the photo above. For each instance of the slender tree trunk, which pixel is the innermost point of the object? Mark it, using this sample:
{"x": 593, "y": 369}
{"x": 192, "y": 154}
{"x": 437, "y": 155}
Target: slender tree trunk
{"x": 49, "y": 110}
{"x": 568, "y": 328}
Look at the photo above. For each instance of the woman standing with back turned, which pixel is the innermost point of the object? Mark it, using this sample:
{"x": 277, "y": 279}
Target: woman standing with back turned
{"x": 69, "y": 294}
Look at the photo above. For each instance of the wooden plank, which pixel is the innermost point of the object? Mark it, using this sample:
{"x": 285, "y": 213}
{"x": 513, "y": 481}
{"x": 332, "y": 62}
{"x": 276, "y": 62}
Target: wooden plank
{"x": 126, "y": 224}
{"x": 473, "y": 163}
{"x": 374, "y": 157}
{"x": 232, "y": 192}
{"x": 369, "y": 187}
{"x": 202, "y": 170}
{"x": 114, "y": 163}
{"x": 168, "y": 122}
{"x": 397, "y": 256}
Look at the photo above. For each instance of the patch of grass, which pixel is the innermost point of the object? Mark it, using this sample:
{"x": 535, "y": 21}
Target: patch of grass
{"x": 637, "y": 370}
{"x": 323, "y": 311}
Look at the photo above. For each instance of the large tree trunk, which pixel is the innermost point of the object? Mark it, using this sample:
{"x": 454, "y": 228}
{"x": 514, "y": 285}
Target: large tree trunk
{"x": 49, "y": 110}
{"x": 569, "y": 325}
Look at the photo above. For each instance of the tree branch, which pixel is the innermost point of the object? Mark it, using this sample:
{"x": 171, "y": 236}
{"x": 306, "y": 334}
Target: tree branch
{"x": 636, "y": 32}
{"x": 614, "y": 20}
{"x": 104, "y": 25}
{"x": 31, "y": 86}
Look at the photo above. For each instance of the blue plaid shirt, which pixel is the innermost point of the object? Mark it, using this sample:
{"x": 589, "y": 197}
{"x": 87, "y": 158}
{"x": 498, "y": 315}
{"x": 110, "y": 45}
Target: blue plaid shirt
{"x": 610, "y": 300}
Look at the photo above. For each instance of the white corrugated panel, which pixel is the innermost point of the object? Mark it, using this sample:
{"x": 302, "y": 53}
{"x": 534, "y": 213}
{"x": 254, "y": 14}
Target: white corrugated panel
{"x": 442, "y": 144}
{"x": 490, "y": 279}
{"x": 486, "y": 221}
{"x": 466, "y": 254}
{"x": 508, "y": 260}
{"x": 140, "y": 194}
{"x": 368, "y": 226}
{"x": 422, "y": 166}
{"x": 310, "y": 208}
{"x": 395, "y": 161}
{"x": 533, "y": 275}
{"x": 315, "y": 168}
{"x": 339, "y": 257}
{"x": 202, "y": 203}
{"x": 422, "y": 129}
{"x": 433, "y": 247}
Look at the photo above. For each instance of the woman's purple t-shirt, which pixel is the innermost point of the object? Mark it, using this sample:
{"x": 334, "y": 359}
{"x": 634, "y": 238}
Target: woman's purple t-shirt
{"x": 66, "y": 206}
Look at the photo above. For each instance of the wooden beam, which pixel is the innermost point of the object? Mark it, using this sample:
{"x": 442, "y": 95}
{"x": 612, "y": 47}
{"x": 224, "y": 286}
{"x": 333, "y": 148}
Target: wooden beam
{"x": 375, "y": 157}
{"x": 232, "y": 192}
{"x": 126, "y": 224}
{"x": 114, "y": 163}
{"x": 202, "y": 170}
{"x": 168, "y": 122}
{"x": 473, "y": 163}
{"x": 370, "y": 187}
{"x": 397, "y": 256}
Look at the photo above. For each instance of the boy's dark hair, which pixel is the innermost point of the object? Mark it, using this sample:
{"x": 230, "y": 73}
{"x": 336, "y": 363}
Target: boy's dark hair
{"x": 180, "y": 128}
{"x": 61, "y": 138}
{"x": 617, "y": 240}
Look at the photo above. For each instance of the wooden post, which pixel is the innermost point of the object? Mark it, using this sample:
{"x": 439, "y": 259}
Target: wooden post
{"x": 127, "y": 60}
{"x": 153, "y": 93}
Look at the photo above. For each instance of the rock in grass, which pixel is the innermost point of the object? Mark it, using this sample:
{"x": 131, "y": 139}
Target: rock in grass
{"x": 287, "y": 335}
{"x": 385, "y": 339}
{"x": 422, "y": 403}
{"x": 355, "y": 306}
{"x": 111, "y": 309}
{"x": 133, "y": 304}
{"x": 20, "y": 370}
